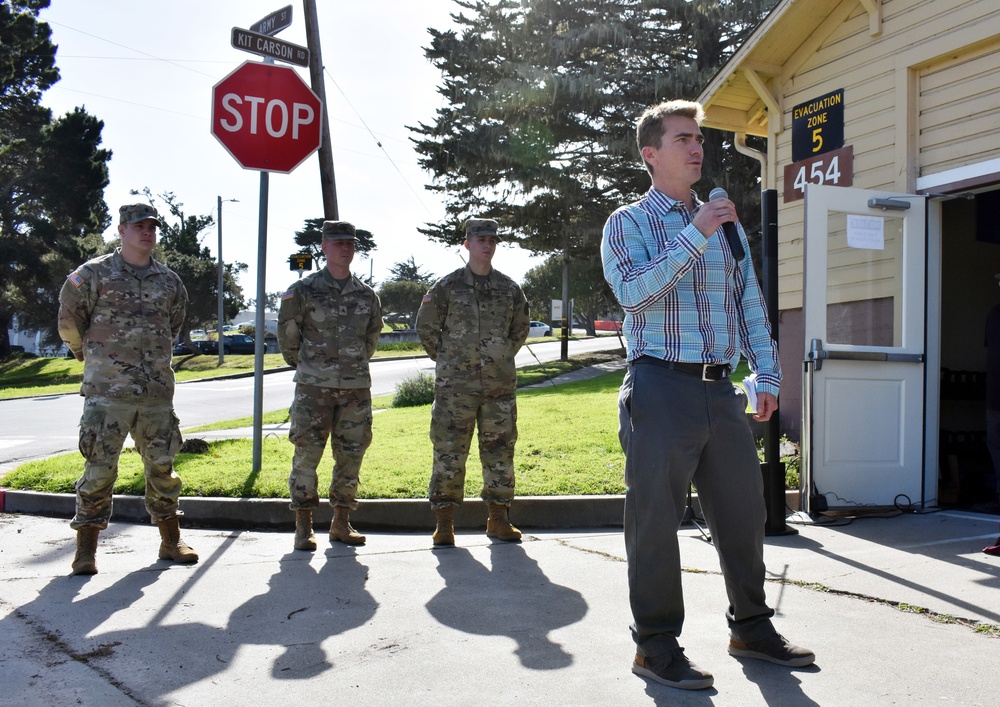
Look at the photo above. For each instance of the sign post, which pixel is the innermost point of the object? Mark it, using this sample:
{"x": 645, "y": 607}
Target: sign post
{"x": 268, "y": 119}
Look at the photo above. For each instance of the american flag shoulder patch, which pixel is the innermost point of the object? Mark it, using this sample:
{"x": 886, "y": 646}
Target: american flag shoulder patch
{"x": 75, "y": 278}
{"x": 288, "y": 295}
{"x": 427, "y": 298}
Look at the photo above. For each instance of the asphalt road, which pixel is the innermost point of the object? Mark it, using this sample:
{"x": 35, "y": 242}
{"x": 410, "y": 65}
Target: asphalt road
{"x": 39, "y": 427}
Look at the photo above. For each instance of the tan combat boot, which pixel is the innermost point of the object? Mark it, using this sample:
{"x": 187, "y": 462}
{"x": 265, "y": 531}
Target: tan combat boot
{"x": 85, "y": 561}
{"x": 171, "y": 545}
{"x": 444, "y": 533}
{"x": 498, "y": 524}
{"x": 305, "y": 539}
{"x": 340, "y": 528}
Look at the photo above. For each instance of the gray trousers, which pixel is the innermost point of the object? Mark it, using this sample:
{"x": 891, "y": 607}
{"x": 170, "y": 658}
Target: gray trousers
{"x": 675, "y": 429}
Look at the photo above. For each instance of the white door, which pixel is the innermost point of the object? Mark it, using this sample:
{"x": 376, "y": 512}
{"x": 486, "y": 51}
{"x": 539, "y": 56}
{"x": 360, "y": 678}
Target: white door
{"x": 864, "y": 313}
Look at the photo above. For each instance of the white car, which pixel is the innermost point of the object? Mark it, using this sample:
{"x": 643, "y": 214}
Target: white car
{"x": 539, "y": 329}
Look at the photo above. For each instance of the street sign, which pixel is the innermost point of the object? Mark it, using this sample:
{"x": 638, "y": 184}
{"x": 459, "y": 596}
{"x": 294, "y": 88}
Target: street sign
{"x": 300, "y": 261}
{"x": 274, "y": 23}
{"x": 261, "y": 44}
{"x": 266, "y": 117}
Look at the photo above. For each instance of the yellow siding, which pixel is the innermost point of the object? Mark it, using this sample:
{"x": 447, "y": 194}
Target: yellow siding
{"x": 958, "y": 100}
{"x": 958, "y": 110}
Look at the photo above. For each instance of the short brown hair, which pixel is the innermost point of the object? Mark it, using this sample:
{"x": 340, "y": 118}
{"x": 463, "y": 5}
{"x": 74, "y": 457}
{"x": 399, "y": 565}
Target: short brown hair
{"x": 649, "y": 130}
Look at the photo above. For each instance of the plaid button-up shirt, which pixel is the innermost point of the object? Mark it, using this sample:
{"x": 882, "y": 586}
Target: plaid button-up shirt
{"x": 685, "y": 298}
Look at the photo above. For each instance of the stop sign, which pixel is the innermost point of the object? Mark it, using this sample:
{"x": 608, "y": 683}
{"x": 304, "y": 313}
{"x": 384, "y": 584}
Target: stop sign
{"x": 266, "y": 117}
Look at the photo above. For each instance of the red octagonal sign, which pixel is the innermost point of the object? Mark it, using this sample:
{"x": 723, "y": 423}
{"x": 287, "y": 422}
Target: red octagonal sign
{"x": 266, "y": 117}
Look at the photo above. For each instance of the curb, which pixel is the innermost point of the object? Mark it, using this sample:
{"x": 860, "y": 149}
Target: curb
{"x": 538, "y": 512}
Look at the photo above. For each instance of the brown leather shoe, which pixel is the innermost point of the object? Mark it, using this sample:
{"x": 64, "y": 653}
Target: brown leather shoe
{"x": 672, "y": 669}
{"x": 774, "y": 649}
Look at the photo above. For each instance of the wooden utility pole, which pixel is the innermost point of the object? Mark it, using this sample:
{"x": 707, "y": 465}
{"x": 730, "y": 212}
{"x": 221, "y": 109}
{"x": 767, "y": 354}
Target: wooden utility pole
{"x": 328, "y": 181}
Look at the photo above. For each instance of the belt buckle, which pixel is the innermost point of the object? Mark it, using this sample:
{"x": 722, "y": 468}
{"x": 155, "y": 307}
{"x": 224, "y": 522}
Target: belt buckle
{"x": 704, "y": 372}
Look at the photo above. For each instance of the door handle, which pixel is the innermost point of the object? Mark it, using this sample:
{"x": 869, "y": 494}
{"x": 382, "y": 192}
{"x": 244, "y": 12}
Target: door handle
{"x": 874, "y": 356}
{"x": 816, "y": 354}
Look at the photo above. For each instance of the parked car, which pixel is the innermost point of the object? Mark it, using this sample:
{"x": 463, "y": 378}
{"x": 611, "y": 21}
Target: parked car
{"x": 238, "y": 344}
{"x": 539, "y": 329}
{"x": 231, "y": 344}
{"x": 182, "y": 349}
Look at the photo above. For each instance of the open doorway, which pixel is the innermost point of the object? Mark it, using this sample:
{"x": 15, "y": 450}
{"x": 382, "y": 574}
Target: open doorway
{"x": 970, "y": 260}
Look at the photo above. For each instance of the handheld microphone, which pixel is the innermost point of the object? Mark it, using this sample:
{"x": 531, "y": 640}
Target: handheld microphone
{"x": 729, "y": 228}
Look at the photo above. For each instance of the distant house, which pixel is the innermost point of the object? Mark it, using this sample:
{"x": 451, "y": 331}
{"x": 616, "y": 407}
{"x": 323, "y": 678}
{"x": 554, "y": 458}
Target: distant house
{"x": 31, "y": 341}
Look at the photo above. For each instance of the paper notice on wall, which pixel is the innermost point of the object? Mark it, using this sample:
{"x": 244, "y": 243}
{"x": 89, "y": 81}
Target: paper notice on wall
{"x": 866, "y": 232}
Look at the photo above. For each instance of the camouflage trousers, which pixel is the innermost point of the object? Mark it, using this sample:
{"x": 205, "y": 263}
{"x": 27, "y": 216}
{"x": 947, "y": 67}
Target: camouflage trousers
{"x": 154, "y": 428}
{"x": 453, "y": 418}
{"x": 342, "y": 415}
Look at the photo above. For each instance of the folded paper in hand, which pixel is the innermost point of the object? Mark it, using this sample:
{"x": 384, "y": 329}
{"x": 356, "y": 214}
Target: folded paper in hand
{"x": 750, "y": 386}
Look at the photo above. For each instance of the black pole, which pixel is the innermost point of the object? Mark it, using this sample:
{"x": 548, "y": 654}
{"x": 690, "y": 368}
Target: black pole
{"x": 327, "y": 177}
{"x": 773, "y": 469}
{"x": 566, "y": 321}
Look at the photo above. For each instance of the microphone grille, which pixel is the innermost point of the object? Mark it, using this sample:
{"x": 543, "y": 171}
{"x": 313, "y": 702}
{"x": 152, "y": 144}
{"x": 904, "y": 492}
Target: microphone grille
{"x": 717, "y": 193}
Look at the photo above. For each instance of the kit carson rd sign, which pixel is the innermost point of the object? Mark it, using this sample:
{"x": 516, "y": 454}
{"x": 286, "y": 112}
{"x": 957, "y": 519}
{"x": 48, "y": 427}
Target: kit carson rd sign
{"x": 266, "y": 117}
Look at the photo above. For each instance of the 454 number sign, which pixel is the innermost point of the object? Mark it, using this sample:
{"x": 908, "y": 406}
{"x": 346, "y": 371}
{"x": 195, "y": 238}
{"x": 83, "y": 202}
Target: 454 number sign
{"x": 835, "y": 168}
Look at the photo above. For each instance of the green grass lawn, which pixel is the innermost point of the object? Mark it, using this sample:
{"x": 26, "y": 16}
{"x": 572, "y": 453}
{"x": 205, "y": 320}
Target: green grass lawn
{"x": 568, "y": 441}
{"x": 559, "y": 452}
{"x": 568, "y": 445}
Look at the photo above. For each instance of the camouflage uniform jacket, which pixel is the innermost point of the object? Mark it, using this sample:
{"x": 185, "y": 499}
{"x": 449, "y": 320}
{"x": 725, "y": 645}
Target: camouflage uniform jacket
{"x": 124, "y": 324}
{"x": 328, "y": 334}
{"x": 473, "y": 329}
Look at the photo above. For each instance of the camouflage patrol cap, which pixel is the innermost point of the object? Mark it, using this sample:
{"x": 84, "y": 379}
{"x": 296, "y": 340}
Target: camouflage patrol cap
{"x": 134, "y": 213}
{"x": 481, "y": 227}
{"x": 335, "y": 230}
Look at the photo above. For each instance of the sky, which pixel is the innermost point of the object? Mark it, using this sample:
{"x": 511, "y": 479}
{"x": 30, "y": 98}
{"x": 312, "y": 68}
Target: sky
{"x": 147, "y": 67}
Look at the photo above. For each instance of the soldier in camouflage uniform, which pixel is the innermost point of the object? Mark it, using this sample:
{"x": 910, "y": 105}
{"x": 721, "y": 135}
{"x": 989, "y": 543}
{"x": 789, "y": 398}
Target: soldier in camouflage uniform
{"x": 119, "y": 314}
{"x": 328, "y": 328}
{"x": 472, "y": 323}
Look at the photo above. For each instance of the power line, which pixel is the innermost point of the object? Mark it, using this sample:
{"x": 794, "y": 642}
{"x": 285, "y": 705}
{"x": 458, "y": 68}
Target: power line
{"x": 132, "y": 49}
{"x": 377, "y": 142}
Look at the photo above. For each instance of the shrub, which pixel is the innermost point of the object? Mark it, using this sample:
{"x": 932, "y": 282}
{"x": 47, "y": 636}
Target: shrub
{"x": 402, "y": 346}
{"x": 417, "y": 390}
{"x": 788, "y": 452}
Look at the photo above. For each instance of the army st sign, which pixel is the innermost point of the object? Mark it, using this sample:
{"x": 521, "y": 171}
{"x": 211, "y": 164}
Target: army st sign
{"x": 266, "y": 117}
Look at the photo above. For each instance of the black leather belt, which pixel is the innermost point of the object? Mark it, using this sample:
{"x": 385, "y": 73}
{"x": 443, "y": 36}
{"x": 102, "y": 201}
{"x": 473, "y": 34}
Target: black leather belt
{"x": 705, "y": 371}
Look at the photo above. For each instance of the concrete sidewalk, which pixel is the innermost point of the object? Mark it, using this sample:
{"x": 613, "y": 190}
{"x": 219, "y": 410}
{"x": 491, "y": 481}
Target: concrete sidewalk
{"x": 544, "y": 622}
{"x": 900, "y": 610}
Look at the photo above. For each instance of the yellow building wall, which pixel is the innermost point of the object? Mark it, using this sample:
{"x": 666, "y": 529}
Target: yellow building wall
{"x": 921, "y": 97}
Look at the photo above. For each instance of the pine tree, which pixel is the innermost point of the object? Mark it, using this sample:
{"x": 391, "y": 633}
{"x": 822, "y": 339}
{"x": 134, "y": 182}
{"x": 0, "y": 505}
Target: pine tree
{"x": 542, "y": 99}
{"x": 52, "y": 178}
